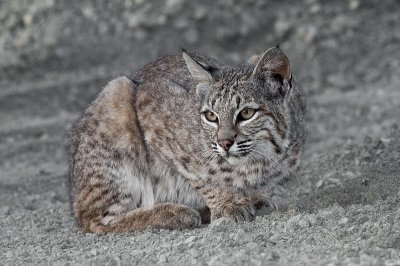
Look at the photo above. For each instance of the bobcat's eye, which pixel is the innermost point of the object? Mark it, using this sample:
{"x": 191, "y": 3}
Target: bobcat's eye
{"x": 246, "y": 114}
{"x": 210, "y": 116}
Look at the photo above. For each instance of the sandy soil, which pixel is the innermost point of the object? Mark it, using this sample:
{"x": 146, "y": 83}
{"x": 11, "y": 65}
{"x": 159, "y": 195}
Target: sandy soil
{"x": 342, "y": 208}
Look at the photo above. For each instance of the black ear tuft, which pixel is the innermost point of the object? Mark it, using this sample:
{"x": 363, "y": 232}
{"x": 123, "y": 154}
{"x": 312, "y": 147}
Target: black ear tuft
{"x": 211, "y": 69}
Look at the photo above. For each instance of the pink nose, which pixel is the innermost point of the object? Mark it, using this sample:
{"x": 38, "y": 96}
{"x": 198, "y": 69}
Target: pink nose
{"x": 225, "y": 144}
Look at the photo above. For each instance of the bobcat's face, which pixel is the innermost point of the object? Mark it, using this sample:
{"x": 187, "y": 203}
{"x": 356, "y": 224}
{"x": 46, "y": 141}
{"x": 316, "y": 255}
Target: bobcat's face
{"x": 244, "y": 120}
{"x": 244, "y": 110}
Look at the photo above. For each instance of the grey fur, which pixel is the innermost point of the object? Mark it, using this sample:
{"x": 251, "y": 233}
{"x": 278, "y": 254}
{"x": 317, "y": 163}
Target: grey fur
{"x": 145, "y": 155}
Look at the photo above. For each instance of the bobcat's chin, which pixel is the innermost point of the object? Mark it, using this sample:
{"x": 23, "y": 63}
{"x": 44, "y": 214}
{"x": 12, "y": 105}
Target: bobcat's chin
{"x": 234, "y": 159}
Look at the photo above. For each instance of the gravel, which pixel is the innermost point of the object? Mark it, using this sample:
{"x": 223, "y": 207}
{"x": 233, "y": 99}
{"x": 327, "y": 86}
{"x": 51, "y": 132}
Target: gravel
{"x": 341, "y": 208}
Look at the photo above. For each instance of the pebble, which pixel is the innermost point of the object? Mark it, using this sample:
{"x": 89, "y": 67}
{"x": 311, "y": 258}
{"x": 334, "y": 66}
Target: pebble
{"x": 354, "y": 4}
{"x": 9, "y": 254}
{"x": 222, "y": 224}
{"x": 93, "y": 252}
{"x": 319, "y": 183}
{"x": 392, "y": 262}
{"x": 273, "y": 256}
{"x": 303, "y": 223}
{"x": 137, "y": 253}
{"x": 190, "y": 239}
{"x": 200, "y": 13}
{"x": 194, "y": 253}
{"x": 368, "y": 260}
{"x": 163, "y": 258}
{"x": 312, "y": 219}
{"x": 282, "y": 26}
{"x": 252, "y": 245}
{"x": 90, "y": 235}
{"x": 295, "y": 219}
{"x": 25, "y": 254}
{"x": 344, "y": 220}
{"x": 240, "y": 234}
{"x": 274, "y": 238}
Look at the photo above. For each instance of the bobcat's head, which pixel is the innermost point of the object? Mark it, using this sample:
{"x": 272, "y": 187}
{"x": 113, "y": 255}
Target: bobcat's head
{"x": 244, "y": 110}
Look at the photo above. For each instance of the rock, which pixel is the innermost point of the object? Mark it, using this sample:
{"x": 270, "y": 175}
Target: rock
{"x": 392, "y": 262}
{"x": 344, "y": 220}
{"x": 368, "y": 260}
{"x": 200, "y": 13}
{"x": 303, "y": 223}
{"x": 222, "y": 224}
{"x": 319, "y": 183}
{"x": 163, "y": 258}
{"x": 173, "y": 6}
{"x": 282, "y": 26}
{"x": 27, "y": 19}
{"x": 273, "y": 256}
{"x": 190, "y": 239}
{"x": 93, "y": 252}
{"x": 138, "y": 253}
{"x": 90, "y": 235}
{"x": 194, "y": 253}
{"x": 252, "y": 245}
{"x": 293, "y": 222}
{"x": 354, "y": 4}
{"x": 374, "y": 193}
{"x": 240, "y": 234}
{"x": 9, "y": 254}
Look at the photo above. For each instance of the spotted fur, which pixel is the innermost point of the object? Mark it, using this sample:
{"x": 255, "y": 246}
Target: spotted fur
{"x": 145, "y": 155}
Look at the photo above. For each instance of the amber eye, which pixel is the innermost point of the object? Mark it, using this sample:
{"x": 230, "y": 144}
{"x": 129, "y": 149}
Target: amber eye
{"x": 247, "y": 113}
{"x": 210, "y": 116}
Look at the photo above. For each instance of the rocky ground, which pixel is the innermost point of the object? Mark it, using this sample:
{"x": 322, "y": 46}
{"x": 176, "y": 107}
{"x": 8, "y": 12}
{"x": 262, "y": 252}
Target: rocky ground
{"x": 342, "y": 208}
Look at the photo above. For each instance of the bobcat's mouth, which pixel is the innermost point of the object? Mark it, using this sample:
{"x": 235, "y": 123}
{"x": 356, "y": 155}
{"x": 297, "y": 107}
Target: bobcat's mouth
{"x": 237, "y": 154}
{"x": 238, "y": 150}
{"x": 233, "y": 158}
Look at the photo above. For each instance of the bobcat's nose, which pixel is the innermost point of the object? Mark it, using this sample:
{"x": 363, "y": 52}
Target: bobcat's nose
{"x": 225, "y": 143}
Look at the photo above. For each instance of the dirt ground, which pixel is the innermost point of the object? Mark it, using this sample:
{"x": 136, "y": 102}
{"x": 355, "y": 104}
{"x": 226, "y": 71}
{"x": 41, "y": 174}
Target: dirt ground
{"x": 341, "y": 208}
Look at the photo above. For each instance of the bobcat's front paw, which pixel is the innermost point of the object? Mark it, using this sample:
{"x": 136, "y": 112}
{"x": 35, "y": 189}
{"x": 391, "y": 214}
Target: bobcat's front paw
{"x": 174, "y": 216}
{"x": 240, "y": 211}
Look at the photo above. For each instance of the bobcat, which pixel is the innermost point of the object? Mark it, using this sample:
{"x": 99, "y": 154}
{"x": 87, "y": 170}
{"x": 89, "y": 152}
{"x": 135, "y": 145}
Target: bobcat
{"x": 185, "y": 141}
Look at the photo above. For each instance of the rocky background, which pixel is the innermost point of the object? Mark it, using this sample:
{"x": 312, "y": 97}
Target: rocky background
{"x": 342, "y": 208}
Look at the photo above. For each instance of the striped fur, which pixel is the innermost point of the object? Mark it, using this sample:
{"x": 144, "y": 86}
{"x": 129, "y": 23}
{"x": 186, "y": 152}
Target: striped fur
{"x": 144, "y": 155}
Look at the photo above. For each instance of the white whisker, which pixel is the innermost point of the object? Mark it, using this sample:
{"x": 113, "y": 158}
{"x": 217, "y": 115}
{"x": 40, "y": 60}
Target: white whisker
{"x": 206, "y": 156}
{"x": 252, "y": 158}
{"x": 211, "y": 158}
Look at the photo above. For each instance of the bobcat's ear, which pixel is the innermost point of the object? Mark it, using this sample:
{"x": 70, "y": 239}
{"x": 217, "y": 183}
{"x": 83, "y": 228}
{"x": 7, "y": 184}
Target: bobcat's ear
{"x": 200, "y": 73}
{"x": 275, "y": 62}
{"x": 254, "y": 59}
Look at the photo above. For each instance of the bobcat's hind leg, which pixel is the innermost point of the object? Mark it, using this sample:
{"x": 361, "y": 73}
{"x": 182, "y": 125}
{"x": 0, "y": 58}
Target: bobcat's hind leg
{"x": 105, "y": 209}
{"x": 171, "y": 216}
